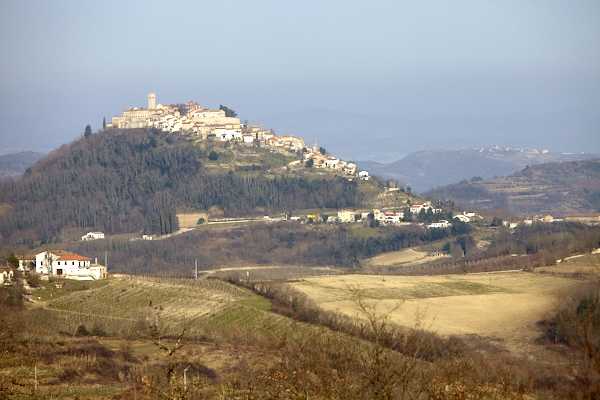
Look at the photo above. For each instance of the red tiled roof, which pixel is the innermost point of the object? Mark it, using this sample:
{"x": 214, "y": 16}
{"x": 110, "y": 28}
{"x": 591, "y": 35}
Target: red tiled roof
{"x": 65, "y": 255}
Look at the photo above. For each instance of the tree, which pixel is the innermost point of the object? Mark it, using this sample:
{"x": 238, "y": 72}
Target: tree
{"x": 496, "y": 221}
{"x": 322, "y": 150}
{"x": 104, "y": 123}
{"x": 13, "y": 261}
{"x": 213, "y": 156}
{"x": 309, "y": 163}
{"x": 88, "y": 131}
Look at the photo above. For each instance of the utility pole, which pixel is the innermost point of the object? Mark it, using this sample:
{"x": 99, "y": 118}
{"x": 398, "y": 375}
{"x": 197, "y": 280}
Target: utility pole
{"x": 196, "y": 271}
{"x": 106, "y": 259}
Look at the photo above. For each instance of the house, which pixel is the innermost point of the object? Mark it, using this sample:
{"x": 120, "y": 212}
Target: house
{"x": 442, "y": 224}
{"x": 147, "y": 237}
{"x": 462, "y": 218}
{"x": 6, "y": 275}
{"x": 346, "y": 216}
{"x": 416, "y": 208}
{"x": 92, "y": 236}
{"x": 26, "y": 262}
{"x": 350, "y": 168}
{"x": 392, "y": 217}
{"x": 64, "y": 264}
{"x": 332, "y": 163}
{"x": 547, "y": 218}
{"x": 364, "y": 175}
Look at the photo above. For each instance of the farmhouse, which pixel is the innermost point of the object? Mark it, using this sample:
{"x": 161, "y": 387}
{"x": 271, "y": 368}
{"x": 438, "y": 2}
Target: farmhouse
{"x": 440, "y": 224}
{"x": 92, "y": 236}
{"x": 6, "y": 275}
{"x": 64, "y": 264}
{"x": 26, "y": 262}
{"x": 462, "y": 218}
{"x": 346, "y": 216}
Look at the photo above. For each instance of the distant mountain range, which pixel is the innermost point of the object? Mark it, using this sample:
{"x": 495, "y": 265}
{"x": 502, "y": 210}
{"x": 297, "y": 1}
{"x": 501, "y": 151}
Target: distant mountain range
{"x": 553, "y": 188}
{"x": 425, "y": 170}
{"x": 15, "y": 164}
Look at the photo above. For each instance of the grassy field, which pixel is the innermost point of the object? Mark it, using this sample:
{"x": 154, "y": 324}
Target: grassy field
{"x": 588, "y": 264}
{"x": 503, "y": 306}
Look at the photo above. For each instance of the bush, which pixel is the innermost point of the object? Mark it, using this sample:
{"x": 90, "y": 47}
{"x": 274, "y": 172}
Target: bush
{"x": 201, "y": 221}
{"x": 213, "y": 156}
{"x": 33, "y": 279}
{"x": 82, "y": 331}
{"x": 97, "y": 330}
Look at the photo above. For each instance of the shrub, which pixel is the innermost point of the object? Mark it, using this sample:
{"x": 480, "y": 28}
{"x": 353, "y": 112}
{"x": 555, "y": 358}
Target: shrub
{"x": 33, "y": 279}
{"x": 82, "y": 331}
{"x": 213, "y": 156}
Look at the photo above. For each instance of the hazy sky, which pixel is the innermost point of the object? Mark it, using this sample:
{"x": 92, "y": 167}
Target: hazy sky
{"x": 367, "y": 79}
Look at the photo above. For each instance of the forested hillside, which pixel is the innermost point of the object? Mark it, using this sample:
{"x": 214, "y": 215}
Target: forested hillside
{"x": 555, "y": 188}
{"x": 133, "y": 180}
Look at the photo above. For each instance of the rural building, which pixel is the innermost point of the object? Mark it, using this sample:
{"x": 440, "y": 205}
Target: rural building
{"x": 26, "y": 262}
{"x": 93, "y": 236}
{"x": 6, "y": 275}
{"x": 346, "y": 216}
{"x": 440, "y": 224}
{"x": 364, "y": 175}
{"x": 462, "y": 218}
{"x": 64, "y": 264}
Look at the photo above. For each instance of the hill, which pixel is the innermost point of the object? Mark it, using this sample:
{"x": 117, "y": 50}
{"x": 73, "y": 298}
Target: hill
{"x": 426, "y": 170}
{"x": 557, "y": 188}
{"x": 133, "y": 180}
{"x": 16, "y": 163}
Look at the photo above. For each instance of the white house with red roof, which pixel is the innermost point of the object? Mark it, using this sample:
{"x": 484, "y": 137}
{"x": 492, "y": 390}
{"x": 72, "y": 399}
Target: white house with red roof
{"x": 64, "y": 264}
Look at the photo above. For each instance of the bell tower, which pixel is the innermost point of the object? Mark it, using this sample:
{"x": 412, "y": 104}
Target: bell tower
{"x": 151, "y": 101}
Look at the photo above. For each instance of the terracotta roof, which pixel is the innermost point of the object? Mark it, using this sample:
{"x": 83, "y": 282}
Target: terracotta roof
{"x": 65, "y": 255}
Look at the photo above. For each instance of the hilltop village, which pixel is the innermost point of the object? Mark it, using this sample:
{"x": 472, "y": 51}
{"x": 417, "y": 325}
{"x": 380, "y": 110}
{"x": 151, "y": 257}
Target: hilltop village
{"x": 223, "y": 125}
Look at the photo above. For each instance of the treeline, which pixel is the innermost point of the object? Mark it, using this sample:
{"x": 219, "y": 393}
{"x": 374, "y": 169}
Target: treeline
{"x": 284, "y": 244}
{"x": 552, "y": 241}
{"x": 127, "y": 181}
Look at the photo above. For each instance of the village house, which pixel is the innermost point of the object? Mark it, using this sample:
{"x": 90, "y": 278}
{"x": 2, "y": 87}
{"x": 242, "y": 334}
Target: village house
{"x": 26, "y": 262}
{"x": 364, "y": 175}
{"x": 64, "y": 264}
{"x": 442, "y": 224}
{"x": 462, "y": 218}
{"x": 92, "y": 236}
{"x": 6, "y": 275}
{"x": 346, "y": 216}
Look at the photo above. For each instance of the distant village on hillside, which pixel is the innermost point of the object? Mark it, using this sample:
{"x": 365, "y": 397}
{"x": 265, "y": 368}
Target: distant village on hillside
{"x": 223, "y": 125}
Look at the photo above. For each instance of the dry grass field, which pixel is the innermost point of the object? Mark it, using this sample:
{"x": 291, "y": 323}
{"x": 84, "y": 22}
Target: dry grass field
{"x": 502, "y": 306}
{"x": 401, "y": 258}
{"x": 588, "y": 265}
{"x": 190, "y": 220}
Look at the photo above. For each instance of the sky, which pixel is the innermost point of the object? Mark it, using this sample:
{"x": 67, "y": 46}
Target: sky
{"x": 366, "y": 79}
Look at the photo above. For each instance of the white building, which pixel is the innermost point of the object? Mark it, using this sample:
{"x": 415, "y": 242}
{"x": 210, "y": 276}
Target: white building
{"x": 462, "y": 218}
{"x": 64, "y": 264}
{"x": 26, "y": 262}
{"x": 364, "y": 175}
{"x": 6, "y": 275}
{"x": 346, "y": 216}
{"x": 93, "y": 236}
{"x": 440, "y": 224}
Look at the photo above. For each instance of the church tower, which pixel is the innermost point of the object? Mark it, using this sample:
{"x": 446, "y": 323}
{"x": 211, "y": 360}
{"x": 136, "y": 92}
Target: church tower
{"x": 151, "y": 101}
